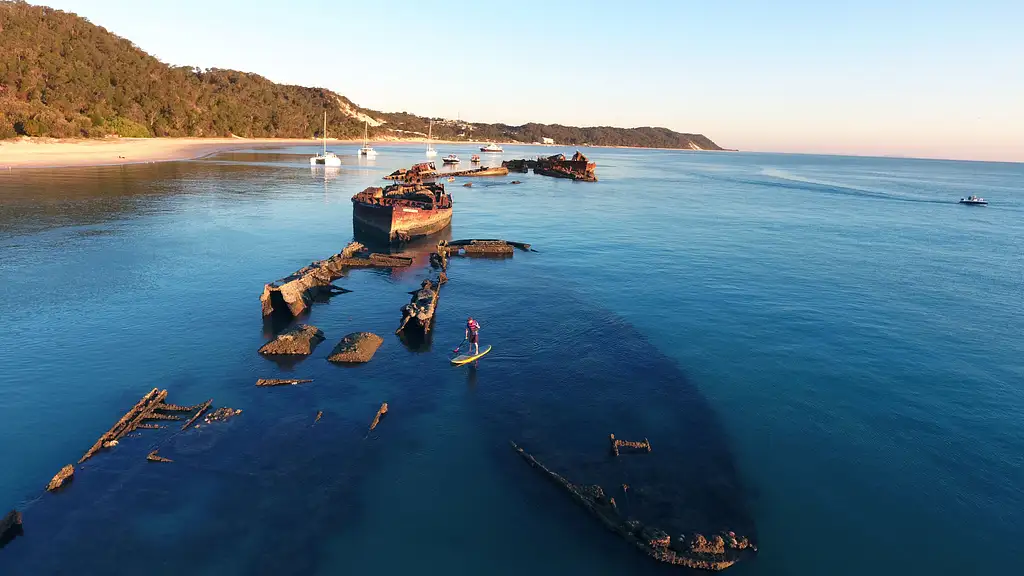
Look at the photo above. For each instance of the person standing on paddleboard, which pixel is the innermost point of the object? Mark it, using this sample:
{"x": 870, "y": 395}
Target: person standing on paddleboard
{"x": 473, "y": 333}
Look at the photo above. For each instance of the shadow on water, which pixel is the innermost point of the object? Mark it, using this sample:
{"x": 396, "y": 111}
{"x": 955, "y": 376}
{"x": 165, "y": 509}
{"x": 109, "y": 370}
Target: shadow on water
{"x": 577, "y": 383}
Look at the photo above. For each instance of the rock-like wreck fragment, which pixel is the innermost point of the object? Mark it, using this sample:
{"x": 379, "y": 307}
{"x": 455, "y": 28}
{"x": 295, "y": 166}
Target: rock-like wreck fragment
{"x": 66, "y": 474}
{"x": 376, "y": 419}
{"x": 281, "y": 381}
{"x": 222, "y": 414}
{"x": 356, "y": 347}
{"x": 694, "y": 551}
{"x": 483, "y": 243}
{"x": 10, "y": 527}
{"x": 300, "y": 340}
{"x": 154, "y": 457}
{"x": 418, "y": 314}
{"x": 293, "y": 294}
{"x": 617, "y": 444}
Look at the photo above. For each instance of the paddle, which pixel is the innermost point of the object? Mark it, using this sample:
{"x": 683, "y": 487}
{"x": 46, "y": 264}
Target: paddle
{"x": 456, "y": 351}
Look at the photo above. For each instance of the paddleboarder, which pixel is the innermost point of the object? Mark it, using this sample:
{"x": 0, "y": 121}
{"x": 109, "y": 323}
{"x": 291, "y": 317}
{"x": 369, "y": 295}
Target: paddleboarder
{"x": 473, "y": 334}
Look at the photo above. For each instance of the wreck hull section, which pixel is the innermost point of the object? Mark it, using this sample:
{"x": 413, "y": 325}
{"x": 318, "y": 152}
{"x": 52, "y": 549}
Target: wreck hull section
{"x": 399, "y": 222}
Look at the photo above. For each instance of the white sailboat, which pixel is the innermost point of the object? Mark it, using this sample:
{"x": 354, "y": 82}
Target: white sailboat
{"x": 327, "y": 158}
{"x": 430, "y": 147}
{"x": 366, "y": 150}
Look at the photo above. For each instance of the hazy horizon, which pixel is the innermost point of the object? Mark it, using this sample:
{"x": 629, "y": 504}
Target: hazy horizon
{"x": 929, "y": 80}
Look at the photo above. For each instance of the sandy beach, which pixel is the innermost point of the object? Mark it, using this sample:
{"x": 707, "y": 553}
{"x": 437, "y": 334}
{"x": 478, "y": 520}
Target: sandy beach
{"x": 50, "y": 152}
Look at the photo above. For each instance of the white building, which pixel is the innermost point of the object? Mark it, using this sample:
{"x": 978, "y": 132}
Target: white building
{"x": 547, "y": 140}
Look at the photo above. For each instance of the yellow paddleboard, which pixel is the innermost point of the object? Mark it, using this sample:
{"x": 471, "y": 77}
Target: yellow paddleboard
{"x": 466, "y": 358}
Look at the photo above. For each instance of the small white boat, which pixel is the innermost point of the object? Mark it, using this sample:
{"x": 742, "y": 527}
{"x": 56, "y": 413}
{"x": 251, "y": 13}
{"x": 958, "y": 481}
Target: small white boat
{"x": 451, "y": 159}
{"x": 366, "y": 150}
{"x": 430, "y": 147}
{"x": 973, "y": 200}
{"x": 492, "y": 147}
{"x": 327, "y": 158}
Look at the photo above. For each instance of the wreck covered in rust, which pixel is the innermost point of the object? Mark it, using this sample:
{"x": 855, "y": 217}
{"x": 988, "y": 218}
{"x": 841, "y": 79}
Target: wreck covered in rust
{"x": 575, "y": 168}
{"x": 402, "y": 212}
{"x": 415, "y": 173}
{"x": 718, "y": 552}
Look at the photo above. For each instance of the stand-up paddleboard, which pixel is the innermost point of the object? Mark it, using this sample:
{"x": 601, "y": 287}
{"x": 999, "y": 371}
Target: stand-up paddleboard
{"x": 466, "y": 358}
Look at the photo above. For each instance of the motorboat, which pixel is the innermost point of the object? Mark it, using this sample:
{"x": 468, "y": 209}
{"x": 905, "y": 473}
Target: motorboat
{"x": 973, "y": 200}
{"x": 366, "y": 150}
{"x": 326, "y": 158}
{"x": 475, "y": 159}
{"x": 430, "y": 147}
{"x": 451, "y": 159}
{"x": 492, "y": 147}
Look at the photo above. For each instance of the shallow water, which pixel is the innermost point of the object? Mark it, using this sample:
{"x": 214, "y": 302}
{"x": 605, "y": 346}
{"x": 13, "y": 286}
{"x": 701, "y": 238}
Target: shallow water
{"x": 825, "y": 352}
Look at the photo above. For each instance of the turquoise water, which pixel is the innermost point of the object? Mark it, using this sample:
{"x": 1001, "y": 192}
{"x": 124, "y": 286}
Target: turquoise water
{"x": 826, "y": 353}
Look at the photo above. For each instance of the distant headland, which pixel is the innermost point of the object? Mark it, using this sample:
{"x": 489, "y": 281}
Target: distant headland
{"x": 63, "y": 77}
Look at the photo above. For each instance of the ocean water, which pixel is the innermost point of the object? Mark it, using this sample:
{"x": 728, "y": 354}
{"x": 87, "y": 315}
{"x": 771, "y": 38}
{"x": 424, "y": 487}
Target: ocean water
{"x": 826, "y": 353}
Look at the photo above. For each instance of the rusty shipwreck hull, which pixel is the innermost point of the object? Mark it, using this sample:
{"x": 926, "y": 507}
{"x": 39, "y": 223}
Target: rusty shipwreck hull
{"x": 398, "y": 222}
{"x": 402, "y": 212}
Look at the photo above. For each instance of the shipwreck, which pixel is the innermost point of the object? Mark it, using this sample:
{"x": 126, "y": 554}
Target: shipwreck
{"x": 295, "y": 293}
{"x": 575, "y": 168}
{"x": 402, "y": 212}
{"x": 718, "y": 552}
{"x": 418, "y": 314}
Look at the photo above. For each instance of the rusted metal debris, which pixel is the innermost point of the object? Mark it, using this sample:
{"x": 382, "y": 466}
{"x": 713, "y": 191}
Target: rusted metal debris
{"x": 319, "y": 415}
{"x": 576, "y": 168}
{"x": 415, "y": 173}
{"x": 294, "y": 294}
{"x": 355, "y": 348}
{"x": 376, "y": 419}
{"x": 281, "y": 381}
{"x": 299, "y": 340}
{"x": 694, "y": 551}
{"x": 144, "y": 409}
{"x": 490, "y": 241}
{"x": 154, "y": 457}
{"x": 419, "y": 312}
{"x": 10, "y": 527}
{"x": 65, "y": 475}
{"x": 202, "y": 408}
{"x": 481, "y": 171}
{"x": 221, "y": 414}
{"x": 616, "y": 444}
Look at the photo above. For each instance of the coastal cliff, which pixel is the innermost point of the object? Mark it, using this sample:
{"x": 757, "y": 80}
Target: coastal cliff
{"x": 62, "y": 76}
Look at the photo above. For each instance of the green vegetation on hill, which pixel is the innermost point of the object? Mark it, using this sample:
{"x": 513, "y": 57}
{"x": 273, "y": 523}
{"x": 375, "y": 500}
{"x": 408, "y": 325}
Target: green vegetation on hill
{"x": 62, "y": 76}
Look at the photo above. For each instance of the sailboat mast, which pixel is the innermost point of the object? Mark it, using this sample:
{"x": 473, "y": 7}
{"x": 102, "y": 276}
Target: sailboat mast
{"x": 325, "y": 133}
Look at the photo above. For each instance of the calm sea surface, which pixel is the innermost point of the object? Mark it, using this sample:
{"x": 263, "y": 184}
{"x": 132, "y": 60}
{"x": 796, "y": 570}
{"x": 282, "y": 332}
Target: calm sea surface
{"x": 826, "y": 353}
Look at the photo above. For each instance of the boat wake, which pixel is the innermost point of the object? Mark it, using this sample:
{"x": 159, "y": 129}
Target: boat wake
{"x": 775, "y": 178}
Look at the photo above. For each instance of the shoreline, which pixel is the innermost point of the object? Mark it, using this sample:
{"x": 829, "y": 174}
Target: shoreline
{"x": 27, "y": 152}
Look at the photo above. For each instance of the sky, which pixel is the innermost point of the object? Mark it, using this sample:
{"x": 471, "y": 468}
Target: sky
{"x": 898, "y": 78}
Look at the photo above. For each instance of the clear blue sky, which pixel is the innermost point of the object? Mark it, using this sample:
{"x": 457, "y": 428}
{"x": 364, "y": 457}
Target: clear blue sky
{"x": 937, "y": 78}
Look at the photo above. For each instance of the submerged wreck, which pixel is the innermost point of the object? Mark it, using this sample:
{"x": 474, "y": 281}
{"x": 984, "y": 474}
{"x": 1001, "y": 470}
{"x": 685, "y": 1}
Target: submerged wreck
{"x": 402, "y": 212}
{"x": 293, "y": 294}
{"x": 489, "y": 247}
{"x": 150, "y": 407}
{"x": 418, "y": 314}
{"x": 575, "y": 168}
{"x": 718, "y": 552}
{"x": 10, "y": 527}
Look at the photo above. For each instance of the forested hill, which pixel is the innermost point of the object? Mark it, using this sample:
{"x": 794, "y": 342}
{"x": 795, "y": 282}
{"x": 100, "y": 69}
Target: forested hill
{"x": 62, "y": 76}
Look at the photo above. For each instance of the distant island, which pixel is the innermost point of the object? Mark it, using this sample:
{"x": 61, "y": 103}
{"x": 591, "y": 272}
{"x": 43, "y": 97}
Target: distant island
{"x": 63, "y": 77}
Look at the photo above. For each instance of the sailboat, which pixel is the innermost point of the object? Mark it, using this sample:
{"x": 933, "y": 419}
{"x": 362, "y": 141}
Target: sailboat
{"x": 430, "y": 147}
{"x": 327, "y": 158}
{"x": 366, "y": 150}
